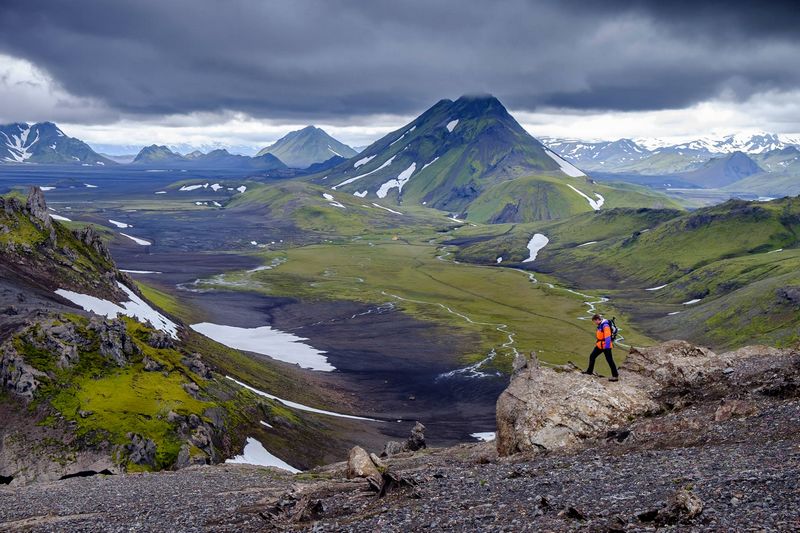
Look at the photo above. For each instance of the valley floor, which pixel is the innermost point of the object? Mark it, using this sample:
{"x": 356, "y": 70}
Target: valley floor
{"x": 744, "y": 471}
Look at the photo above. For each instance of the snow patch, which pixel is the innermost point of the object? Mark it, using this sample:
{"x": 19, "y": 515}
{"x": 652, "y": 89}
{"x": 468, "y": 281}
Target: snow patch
{"x": 586, "y": 244}
{"x": 298, "y": 406}
{"x": 351, "y": 180}
{"x": 190, "y": 187}
{"x": 566, "y": 168}
{"x": 594, "y": 204}
{"x": 691, "y": 302}
{"x": 134, "y": 308}
{"x": 426, "y": 165}
{"x": 657, "y": 288}
{"x": 360, "y": 194}
{"x": 499, "y": 260}
{"x": 120, "y": 225}
{"x": 140, "y": 242}
{"x": 333, "y": 202}
{"x": 484, "y": 436}
{"x": 161, "y": 192}
{"x": 267, "y": 341}
{"x": 139, "y": 271}
{"x": 398, "y": 182}
{"x": 254, "y": 453}
{"x": 536, "y": 243}
{"x": 386, "y": 209}
{"x": 47, "y": 188}
{"x": 216, "y": 187}
{"x": 59, "y": 217}
{"x": 452, "y": 125}
{"x": 89, "y": 186}
{"x": 241, "y": 188}
{"x": 403, "y": 135}
{"x": 363, "y": 161}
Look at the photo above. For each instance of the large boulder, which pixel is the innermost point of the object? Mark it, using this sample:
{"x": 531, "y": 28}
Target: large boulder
{"x": 360, "y": 464}
{"x": 550, "y": 408}
{"x": 546, "y": 408}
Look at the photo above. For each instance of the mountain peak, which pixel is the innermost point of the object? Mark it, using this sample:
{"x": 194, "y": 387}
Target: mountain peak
{"x": 305, "y": 147}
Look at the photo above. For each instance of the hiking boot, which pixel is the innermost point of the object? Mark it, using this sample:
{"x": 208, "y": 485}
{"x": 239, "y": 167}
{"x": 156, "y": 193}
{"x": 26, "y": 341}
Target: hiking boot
{"x": 613, "y": 378}
{"x": 587, "y": 373}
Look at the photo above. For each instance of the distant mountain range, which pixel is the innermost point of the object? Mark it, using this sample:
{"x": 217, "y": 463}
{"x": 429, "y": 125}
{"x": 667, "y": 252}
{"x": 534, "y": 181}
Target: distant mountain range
{"x": 44, "y": 142}
{"x": 659, "y": 156}
{"x": 303, "y": 148}
{"x": 163, "y": 157}
{"x": 762, "y": 164}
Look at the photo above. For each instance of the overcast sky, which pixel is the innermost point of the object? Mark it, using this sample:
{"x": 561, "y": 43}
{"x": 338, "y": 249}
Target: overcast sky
{"x": 245, "y": 72}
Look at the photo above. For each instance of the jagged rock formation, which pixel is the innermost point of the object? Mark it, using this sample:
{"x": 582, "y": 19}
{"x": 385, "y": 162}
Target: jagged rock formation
{"x": 546, "y": 409}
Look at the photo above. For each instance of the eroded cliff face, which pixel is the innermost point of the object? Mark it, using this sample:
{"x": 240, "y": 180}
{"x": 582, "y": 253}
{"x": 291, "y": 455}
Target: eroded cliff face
{"x": 558, "y": 408}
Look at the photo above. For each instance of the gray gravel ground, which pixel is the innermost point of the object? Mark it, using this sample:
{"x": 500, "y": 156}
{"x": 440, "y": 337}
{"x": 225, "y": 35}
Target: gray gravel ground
{"x": 745, "y": 471}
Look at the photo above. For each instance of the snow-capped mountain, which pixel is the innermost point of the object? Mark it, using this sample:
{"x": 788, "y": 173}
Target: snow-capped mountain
{"x": 44, "y": 142}
{"x": 665, "y": 155}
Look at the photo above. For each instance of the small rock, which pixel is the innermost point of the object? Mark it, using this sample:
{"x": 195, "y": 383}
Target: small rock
{"x": 359, "y": 464}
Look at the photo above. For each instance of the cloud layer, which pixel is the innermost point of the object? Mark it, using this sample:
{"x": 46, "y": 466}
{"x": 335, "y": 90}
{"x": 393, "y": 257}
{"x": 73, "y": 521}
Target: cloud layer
{"x": 336, "y": 60}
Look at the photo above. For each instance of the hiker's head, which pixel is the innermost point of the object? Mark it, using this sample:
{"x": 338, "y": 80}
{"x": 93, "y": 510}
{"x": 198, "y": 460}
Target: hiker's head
{"x": 597, "y": 319}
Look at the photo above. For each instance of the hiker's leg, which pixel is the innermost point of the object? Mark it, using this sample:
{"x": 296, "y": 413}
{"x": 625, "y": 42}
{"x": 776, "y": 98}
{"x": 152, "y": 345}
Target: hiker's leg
{"x": 592, "y": 357}
{"x": 610, "y": 359}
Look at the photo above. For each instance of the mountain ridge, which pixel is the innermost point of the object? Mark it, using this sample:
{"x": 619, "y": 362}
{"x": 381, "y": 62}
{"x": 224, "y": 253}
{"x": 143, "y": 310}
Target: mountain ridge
{"x": 45, "y": 143}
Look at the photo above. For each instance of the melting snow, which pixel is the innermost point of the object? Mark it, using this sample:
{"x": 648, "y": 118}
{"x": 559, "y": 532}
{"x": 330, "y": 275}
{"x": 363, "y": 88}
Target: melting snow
{"x": 120, "y": 225}
{"x": 267, "y": 341}
{"x": 241, "y": 188}
{"x": 586, "y": 244}
{"x": 360, "y": 194}
{"x": 190, "y": 187}
{"x": 499, "y": 259}
{"x": 566, "y": 168}
{"x": 452, "y": 125}
{"x": 674, "y": 313}
{"x": 254, "y": 453}
{"x": 657, "y": 288}
{"x": 137, "y": 240}
{"x": 595, "y": 204}
{"x": 399, "y": 182}
{"x": 403, "y": 135}
{"x": 161, "y": 192}
{"x": 362, "y": 161}
{"x": 134, "y": 308}
{"x": 351, "y": 180}
{"x": 216, "y": 187}
{"x": 47, "y": 188}
{"x": 333, "y": 202}
{"x": 90, "y": 186}
{"x": 485, "y": 436}
{"x": 298, "y": 406}
{"x": 426, "y": 165}
{"x": 386, "y": 209}
{"x": 334, "y": 151}
{"x": 536, "y": 243}
{"x": 59, "y": 217}
{"x": 690, "y": 302}
{"x": 139, "y": 271}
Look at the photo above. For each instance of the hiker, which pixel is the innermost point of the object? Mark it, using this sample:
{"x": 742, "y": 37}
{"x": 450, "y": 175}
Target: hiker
{"x": 603, "y": 345}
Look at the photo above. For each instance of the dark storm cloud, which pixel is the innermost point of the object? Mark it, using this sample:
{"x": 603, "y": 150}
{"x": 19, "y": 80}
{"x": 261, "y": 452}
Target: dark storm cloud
{"x": 336, "y": 59}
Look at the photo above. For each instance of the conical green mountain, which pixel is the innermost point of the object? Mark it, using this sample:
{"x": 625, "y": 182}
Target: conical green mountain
{"x": 470, "y": 157}
{"x": 303, "y": 148}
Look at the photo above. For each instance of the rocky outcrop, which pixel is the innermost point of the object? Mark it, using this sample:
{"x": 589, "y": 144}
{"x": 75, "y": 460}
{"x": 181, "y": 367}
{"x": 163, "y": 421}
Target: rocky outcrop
{"x": 140, "y": 450}
{"x": 412, "y": 444}
{"x": 545, "y": 408}
{"x": 17, "y": 376}
{"x": 115, "y": 341}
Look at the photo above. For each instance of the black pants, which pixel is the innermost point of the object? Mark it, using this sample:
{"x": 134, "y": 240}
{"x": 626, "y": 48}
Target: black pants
{"x": 609, "y": 359}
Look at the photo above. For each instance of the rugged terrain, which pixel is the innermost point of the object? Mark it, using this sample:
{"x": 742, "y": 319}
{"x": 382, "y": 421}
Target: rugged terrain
{"x": 720, "y": 452}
